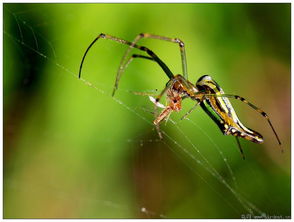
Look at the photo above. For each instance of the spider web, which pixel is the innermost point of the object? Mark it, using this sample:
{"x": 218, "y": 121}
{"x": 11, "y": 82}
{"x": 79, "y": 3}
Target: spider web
{"x": 184, "y": 148}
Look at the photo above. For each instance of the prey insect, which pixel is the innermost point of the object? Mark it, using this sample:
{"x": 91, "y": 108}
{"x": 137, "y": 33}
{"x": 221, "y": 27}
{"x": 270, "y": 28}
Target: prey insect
{"x": 206, "y": 92}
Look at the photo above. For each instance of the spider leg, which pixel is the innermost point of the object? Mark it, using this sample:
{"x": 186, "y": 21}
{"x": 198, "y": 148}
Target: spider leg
{"x": 150, "y": 94}
{"x": 84, "y": 56}
{"x": 119, "y": 74}
{"x": 142, "y": 48}
{"x": 168, "y": 86}
{"x": 198, "y": 97}
{"x": 252, "y": 106}
{"x": 240, "y": 148}
{"x": 122, "y": 66}
{"x": 190, "y": 111}
{"x": 167, "y": 110}
{"x": 167, "y": 118}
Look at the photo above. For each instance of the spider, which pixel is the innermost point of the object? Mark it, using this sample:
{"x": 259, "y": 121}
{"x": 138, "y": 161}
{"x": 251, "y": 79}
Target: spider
{"x": 205, "y": 92}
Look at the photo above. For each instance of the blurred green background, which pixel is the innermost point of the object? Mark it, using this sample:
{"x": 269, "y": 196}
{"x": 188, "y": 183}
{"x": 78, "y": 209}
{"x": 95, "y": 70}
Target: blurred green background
{"x": 73, "y": 151}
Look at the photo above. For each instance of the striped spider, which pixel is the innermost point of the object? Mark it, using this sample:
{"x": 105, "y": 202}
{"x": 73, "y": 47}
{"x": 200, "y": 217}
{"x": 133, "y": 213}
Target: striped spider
{"x": 205, "y": 92}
